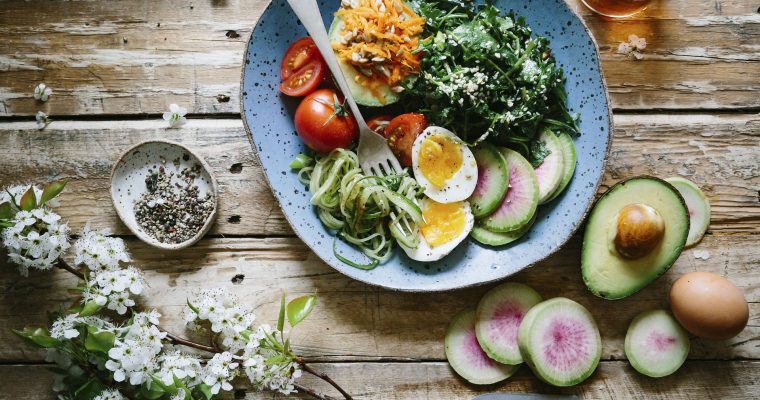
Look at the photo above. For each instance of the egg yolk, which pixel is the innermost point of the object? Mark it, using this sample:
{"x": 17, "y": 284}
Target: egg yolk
{"x": 442, "y": 223}
{"x": 439, "y": 159}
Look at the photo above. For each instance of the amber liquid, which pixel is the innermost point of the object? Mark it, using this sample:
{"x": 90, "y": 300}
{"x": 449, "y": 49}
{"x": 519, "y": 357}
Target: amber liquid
{"x": 617, "y": 8}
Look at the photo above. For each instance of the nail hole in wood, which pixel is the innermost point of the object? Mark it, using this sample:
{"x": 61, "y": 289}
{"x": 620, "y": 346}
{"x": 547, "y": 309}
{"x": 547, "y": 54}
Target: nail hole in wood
{"x": 238, "y": 279}
{"x": 236, "y": 168}
{"x": 232, "y": 34}
{"x": 222, "y": 98}
{"x": 235, "y": 219}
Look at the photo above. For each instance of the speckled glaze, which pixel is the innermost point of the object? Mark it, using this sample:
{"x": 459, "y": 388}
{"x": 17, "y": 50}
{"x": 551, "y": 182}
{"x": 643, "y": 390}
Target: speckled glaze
{"x": 268, "y": 117}
{"x": 128, "y": 184}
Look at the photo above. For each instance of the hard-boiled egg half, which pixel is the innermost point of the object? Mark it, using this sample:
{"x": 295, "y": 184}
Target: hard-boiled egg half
{"x": 443, "y": 227}
{"x": 443, "y": 165}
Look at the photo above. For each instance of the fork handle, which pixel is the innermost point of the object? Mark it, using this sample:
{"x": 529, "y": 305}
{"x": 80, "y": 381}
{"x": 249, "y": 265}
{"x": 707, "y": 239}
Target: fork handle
{"x": 308, "y": 12}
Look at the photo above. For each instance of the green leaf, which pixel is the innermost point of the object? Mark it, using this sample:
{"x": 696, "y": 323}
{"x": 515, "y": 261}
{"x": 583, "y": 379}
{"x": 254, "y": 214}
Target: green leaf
{"x": 300, "y": 308}
{"x": 281, "y": 318}
{"x": 89, "y": 308}
{"x": 152, "y": 393}
{"x": 6, "y": 210}
{"x": 98, "y": 341}
{"x": 195, "y": 309}
{"x": 28, "y": 200}
{"x": 205, "y": 390}
{"x": 51, "y": 191}
{"x": 89, "y": 389}
{"x": 39, "y": 337}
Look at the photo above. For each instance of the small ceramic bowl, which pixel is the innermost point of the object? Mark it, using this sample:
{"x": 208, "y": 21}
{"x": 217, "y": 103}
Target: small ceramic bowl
{"x": 128, "y": 184}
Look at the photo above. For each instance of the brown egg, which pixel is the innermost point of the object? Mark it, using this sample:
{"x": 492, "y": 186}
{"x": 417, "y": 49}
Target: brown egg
{"x": 640, "y": 229}
{"x": 709, "y": 306}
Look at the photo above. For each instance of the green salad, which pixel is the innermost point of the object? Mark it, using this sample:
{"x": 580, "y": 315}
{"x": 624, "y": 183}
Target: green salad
{"x": 483, "y": 76}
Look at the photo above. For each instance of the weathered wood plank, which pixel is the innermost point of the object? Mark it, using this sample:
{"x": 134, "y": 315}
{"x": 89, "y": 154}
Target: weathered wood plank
{"x": 435, "y": 380}
{"x": 718, "y": 152}
{"x": 356, "y": 321}
{"x": 138, "y": 56}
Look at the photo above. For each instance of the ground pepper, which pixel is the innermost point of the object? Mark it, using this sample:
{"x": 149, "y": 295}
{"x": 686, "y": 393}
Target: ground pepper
{"x": 172, "y": 210}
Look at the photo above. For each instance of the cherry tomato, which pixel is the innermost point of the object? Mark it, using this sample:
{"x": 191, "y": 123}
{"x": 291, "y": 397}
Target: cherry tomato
{"x": 323, "y": 122}
{"x": 300, "y": 53}
{"x": 305, "y": 80}
{"x": 401, "y": 132}
{"x": 379, "y": 123}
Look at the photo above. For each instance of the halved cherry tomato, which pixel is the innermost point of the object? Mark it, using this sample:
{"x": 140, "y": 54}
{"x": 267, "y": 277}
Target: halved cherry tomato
{"x": 323, "y": 123}
{"x": 305, "y": 80}
{"x": 401, "y": 132}
{"x": 379, "y": 123}
{"x": 300, "y": 53}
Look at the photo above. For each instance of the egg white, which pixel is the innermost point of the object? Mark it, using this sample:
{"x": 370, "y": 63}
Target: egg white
{"x": 460, "y": 186}
{"x": 423, "y": 251}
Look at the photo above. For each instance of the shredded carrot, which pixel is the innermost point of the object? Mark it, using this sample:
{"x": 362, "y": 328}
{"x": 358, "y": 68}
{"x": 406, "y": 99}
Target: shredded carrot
{"x": 379, "y": 38}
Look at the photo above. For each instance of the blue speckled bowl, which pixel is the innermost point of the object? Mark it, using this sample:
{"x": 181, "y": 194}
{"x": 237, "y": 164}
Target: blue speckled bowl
{"x": 268, "y": 116}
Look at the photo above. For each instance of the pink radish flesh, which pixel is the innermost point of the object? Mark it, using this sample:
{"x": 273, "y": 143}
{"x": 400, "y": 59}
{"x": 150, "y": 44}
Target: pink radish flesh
{"x": 565, "y": 347}
{"x": 517, "y": 193}
{"x": 466, "y": 356}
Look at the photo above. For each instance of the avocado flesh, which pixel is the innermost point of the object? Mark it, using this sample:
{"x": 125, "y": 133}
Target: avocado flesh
{"x": 361, "y": 94}
{"x": 605, "y": 272}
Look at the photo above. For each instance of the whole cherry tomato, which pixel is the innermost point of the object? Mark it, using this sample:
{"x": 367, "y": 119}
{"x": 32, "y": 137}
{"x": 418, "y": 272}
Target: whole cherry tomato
{"x": 323, "y": 122}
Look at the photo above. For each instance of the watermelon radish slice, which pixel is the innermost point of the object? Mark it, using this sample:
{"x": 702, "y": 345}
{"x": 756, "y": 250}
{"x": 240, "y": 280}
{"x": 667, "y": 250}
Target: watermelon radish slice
{"x": 569, "y": 159}
{"x": 519, "y": 205}
{"x": 549, "y": 173}
{"x": 467, "y": 358}
{"x": 698, "y": 206}
{"x": 493, "y": 179}
{"x": 559, "y": 340}
{"x": 490, "y": 238}
{"x": 655, "y": 344}
{"x": 498, "y": 318}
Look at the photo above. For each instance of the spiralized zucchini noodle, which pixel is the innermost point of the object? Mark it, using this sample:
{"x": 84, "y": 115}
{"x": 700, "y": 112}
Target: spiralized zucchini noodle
{"x": 367, "y": 211}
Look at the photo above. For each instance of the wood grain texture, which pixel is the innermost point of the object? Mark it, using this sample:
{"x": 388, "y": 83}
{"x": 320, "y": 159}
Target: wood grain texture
{"x": 720, "y": 153}
{"x": 355, "y": 321}
{"x": 138, "y": 56}
{"x": 435, "y": 380}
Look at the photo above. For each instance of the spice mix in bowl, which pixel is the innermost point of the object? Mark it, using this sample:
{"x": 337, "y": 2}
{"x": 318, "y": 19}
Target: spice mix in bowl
{"x": 164, "y": 193}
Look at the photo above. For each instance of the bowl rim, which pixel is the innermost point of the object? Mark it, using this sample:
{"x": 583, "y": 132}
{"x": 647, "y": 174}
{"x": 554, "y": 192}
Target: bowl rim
{"x": 560, "y": 244}
{"x": 143, "y": 236}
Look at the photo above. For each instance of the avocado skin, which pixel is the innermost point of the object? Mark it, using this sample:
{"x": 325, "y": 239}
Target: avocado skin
{"x": 593, "y": 260}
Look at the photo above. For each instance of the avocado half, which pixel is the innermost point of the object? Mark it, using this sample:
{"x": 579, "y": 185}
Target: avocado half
{"x": 361, "y": 94}
{"x": 606, "y": 272}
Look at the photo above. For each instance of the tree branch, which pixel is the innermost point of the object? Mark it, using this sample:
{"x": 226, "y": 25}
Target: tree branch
{"x": 324, "y": 377}
{"x": 312, "y": 393}
{"x": 189, "y": 343}
{"x": 66, "y": 267}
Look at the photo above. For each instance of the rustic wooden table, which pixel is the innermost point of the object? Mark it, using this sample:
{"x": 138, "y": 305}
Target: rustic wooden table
{"x": 689, "y": 108}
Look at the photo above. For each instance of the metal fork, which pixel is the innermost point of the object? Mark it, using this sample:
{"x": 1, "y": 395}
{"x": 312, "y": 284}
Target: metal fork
{"x": 375, "y": 157}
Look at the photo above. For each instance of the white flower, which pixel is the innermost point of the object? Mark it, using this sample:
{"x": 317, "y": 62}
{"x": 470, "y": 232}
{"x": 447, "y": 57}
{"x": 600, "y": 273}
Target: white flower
{"x": 175, "y": 116}
{"x": 110, "y": 394}
{"x": 225, "y": 316}
{"x": 65, "y": 327}
{"x": 134, "y": 356}
{"x": 180, "y": 365}
{"x": 633, "y": 47}
{"x": 36, "y": 240}
{"x": 220, "y": 371}
{"x": 42, "y": 120}
{"x": 265, "y": 367}
{"x": 99, "y": 252}
{"x": 637, "y": 42}
{"x": 42, "y": 92}
{"x": 119, "y": 302}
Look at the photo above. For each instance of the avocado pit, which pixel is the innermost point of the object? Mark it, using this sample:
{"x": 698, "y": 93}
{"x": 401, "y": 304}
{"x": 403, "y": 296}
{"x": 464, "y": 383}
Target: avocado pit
{"x": 640, "y": 228}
